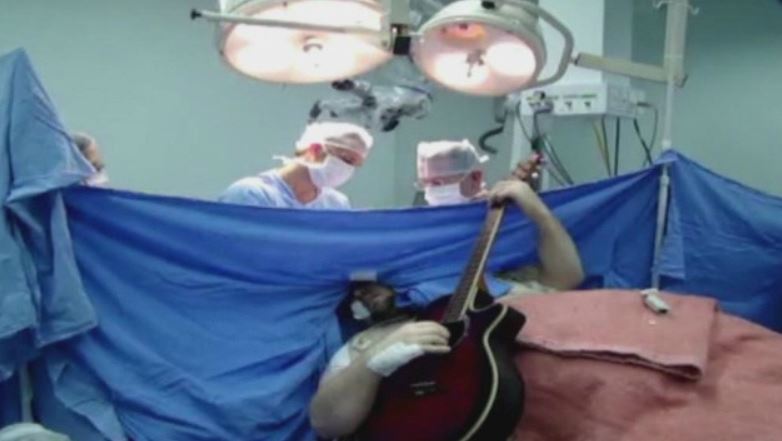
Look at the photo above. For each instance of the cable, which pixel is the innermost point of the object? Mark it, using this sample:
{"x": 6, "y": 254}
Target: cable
{"x": 656, "y": 127}
{"x": 553, "y": 174}
{"x": 535, "y": 124}
{"x": 644, "y": 145}
{"x": 604, "y": 132}
{"x": 617, "y": 137}
{"x": 488, "y": 135}
{"x": 539, "y": 145}
{"x": 549, "y": 149}
{"x": 551, "y": 152}
{"x": 521, "y": 123}
{"x": 648, "y": 147}
{"x": 555, "y": 166}
{"x": 601, "y": 147}
{"x": 604, "y": 146}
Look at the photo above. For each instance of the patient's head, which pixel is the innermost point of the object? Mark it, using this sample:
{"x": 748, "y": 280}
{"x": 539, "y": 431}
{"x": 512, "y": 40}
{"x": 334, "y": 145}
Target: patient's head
{"x": 373, "y": 301}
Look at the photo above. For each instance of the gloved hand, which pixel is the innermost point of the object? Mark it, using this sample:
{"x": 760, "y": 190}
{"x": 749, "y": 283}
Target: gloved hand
{"x": 407, "y": 343}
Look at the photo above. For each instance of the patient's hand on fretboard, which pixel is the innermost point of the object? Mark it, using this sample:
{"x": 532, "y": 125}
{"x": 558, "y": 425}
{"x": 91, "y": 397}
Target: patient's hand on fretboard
{"x": 528, "y": 171}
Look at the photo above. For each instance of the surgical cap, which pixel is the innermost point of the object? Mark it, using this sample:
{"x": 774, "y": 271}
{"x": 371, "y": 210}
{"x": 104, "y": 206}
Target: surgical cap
{"x": 447, "y": 158}
{"x": 341, "y": 134}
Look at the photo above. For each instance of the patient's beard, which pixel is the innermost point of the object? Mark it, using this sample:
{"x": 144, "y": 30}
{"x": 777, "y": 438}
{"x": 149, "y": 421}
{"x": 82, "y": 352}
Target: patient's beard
{"x": 387, "y": 312}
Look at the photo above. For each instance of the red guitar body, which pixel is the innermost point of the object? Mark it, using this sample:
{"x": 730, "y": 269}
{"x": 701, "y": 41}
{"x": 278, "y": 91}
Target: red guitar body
{"x": 473, "y": 393}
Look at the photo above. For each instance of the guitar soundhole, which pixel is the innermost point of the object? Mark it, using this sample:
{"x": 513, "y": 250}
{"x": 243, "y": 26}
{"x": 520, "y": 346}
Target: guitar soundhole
{"x": 424, "y": 388}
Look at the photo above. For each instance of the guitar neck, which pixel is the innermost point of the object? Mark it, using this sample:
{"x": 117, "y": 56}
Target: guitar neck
{"x": 468, "y": 285}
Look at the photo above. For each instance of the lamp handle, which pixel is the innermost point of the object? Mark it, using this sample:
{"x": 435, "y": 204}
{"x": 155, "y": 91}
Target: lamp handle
{"x": 567, "y": 51}
{"x": 241, "y": 19}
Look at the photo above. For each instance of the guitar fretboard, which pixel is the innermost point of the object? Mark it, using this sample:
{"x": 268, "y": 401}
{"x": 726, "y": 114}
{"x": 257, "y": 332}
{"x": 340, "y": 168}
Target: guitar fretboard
{"x": 468, "y": 284}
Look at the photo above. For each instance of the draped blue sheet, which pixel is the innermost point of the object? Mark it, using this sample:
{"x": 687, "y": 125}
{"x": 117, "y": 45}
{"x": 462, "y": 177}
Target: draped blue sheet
{"x": 10, "y": 399}
{"x": 215, "y": 321}
{"x": 222, "y": 317}
{"x": 724, "y": 240}
{"x": 41, "y": 298}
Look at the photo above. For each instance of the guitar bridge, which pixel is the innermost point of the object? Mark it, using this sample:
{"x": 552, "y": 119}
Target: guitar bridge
{"x": 423, "y": 388}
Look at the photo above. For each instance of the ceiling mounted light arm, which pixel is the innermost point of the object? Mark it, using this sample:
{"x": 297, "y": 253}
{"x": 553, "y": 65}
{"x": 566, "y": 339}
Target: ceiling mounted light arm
{"x": 567, "y": 50}
{"x": 673, "y": 65}
{"x": 396, "y": 26}
{"x": 216, "y": 17}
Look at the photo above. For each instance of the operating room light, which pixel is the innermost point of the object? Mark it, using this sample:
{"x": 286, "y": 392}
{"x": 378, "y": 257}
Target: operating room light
{"x": 292, "y": 55}
{"x": 512, "y": 59}
{"x": 479, "y": 50}
{"x": 489, "y": 47}
{"x": 459, "y": 70}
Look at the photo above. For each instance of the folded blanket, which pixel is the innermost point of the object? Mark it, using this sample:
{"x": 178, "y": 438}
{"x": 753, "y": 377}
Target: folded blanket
{"x": 594, "y": 398}
{"x": 616, "y": 326}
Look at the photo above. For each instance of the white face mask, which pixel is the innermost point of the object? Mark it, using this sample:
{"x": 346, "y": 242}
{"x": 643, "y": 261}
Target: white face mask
{"x": 360, "y": 312}
{"x": 450, "y": 194}
{"x": 331, "y": 173}
{"x": 100, "y": 179}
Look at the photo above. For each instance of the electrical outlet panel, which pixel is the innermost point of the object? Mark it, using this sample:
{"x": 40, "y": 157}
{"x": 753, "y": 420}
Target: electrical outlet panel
{"x": 583, "y": 100}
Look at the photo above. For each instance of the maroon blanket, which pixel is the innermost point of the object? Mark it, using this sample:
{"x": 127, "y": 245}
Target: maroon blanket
{"x": 604, "y": 372}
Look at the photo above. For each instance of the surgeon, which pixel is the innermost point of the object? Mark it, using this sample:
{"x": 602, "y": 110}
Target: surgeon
{"x": 90, "y": 149}
{"x": 327, "y": 155}
{"x": 451, "y": 172}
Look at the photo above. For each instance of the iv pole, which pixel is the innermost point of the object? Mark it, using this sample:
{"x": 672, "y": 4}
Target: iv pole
{"x": 673, "y": 75}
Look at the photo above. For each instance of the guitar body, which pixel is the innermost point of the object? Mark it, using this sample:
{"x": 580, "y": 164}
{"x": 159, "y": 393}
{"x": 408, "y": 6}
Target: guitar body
{"x": 473, "y": 393}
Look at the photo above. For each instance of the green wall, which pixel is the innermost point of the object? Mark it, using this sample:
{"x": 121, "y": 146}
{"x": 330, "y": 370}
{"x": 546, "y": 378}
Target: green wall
{"x": 726, "y": 116}
{"x": 171, "y": 118}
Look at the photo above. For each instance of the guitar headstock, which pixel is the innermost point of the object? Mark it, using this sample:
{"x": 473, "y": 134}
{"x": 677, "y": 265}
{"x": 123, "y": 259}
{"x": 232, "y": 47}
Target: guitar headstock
{"x": 530, "y": 170}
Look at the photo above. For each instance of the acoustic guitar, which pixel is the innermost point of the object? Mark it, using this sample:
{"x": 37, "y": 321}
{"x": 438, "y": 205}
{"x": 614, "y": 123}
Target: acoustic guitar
{"x": 472, "y": 393}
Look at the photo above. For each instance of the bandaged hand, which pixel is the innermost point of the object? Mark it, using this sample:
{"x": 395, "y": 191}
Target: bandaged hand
{"x": 407, "y": 343}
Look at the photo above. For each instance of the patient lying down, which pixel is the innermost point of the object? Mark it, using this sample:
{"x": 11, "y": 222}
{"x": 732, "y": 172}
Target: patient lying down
{"x": 598, "y": 366}
{"x": 394, "y": 337}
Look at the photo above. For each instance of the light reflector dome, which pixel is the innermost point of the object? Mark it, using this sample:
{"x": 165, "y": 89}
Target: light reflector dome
{"x": 480, "y": 51}
{"x": 289, "y": 55}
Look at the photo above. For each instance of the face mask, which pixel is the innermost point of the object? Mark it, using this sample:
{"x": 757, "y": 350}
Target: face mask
{"x": 360, "y": 312}
{"x": 100, "y": 179}
{"x": 331, "y": 173}
{"x": 450, "y": 194}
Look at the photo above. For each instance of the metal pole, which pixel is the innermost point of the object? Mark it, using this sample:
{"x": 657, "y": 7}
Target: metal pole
{"x": 675, "y": 37}
{"x": 241, "y": 19}
{"x": 25, "y": 394}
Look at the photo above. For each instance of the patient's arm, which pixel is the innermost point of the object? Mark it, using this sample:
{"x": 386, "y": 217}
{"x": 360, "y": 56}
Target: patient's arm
{"x": 560, "y": 264}
{"x": 344, "y": 399}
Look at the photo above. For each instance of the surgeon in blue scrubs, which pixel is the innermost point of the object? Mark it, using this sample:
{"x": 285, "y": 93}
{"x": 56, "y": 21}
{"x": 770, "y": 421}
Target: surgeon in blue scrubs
{"x": 327, "y": 154}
